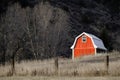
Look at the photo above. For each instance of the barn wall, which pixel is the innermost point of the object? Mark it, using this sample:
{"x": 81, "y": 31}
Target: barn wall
{"x": 100, "y": 51}
{"x": 83, "y": 48}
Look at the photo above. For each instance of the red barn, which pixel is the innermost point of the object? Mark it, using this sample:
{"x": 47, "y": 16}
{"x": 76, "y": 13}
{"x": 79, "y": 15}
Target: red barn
{"x": 87, "y": 44}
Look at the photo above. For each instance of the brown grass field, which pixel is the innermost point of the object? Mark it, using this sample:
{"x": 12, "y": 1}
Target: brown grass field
{"x": 92, "y": 67}
{"x": 57, "y": 78}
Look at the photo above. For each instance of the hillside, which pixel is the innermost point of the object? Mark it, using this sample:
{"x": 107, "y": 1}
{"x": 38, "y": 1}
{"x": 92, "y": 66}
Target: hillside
{"x": 47, "y": 28}
{"x": 92, "y": 15}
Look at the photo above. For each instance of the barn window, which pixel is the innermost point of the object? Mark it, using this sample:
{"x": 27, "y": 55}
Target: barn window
{"x": 84, "y": 39}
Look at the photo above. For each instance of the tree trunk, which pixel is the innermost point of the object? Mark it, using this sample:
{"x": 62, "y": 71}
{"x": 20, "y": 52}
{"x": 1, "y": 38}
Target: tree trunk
{"x": 13, "y": 59}
{"x": 4, "y": 59}
{"x": 13, "y": 64}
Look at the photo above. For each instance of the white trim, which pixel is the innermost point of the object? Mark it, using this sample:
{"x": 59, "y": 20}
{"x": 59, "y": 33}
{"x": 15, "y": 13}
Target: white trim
{"x": 78, "y": 37}
{"x": 72, "y": 54}
{"x": 93, "y": 43}
{"x": 76, "y": 40}
{"x": 95, "y": 51}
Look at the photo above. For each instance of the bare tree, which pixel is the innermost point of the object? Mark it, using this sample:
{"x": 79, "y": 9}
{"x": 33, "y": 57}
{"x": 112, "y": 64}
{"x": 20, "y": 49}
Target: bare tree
{"x": 42, "y": 30}
{"x": 30, "y": 27}
{"x": 52, "y": 24}
{"x": 53, "y": 28}
{"x": 13, "y": 23}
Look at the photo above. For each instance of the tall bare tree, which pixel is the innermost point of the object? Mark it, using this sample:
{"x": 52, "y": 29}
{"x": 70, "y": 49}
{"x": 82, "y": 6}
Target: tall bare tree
{"x": 12, "y": 25}
{"x": 53, "y": 29}
{"x": 52, "y": 24}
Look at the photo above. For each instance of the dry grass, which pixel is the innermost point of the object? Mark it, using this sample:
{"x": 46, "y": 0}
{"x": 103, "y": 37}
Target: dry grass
{"x": 57, "y": 78}
{"x": 85, "y": 66}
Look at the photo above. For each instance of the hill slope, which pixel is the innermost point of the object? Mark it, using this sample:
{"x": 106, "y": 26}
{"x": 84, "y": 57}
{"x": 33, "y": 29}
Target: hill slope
{"x": 50, "y": 26}
{"x": 92, "y": 16}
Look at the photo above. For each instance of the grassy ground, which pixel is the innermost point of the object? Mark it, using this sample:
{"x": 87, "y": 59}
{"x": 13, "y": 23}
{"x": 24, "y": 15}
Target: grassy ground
{"x": 85, "y": 66}
{"x": 58, "y": 78}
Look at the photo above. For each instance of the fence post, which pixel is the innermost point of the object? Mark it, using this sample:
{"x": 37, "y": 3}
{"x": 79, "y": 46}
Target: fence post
{"x": 56, "y": 65}
{"x": 107, "y": 63}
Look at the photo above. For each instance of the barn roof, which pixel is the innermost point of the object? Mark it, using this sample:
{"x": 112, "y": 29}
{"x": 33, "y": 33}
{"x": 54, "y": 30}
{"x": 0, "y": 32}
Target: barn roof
{"x": 97, "y": 42}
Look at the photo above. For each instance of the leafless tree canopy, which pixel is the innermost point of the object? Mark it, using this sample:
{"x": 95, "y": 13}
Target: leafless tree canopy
{"x": 39, "y": 32}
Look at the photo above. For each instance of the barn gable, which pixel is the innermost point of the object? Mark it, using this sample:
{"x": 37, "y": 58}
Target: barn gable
{"x": 97, "y": 42}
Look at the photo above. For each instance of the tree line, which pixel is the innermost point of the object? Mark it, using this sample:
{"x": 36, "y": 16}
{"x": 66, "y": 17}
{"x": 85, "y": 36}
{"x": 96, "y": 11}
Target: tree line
{"x": 33, "y": 33}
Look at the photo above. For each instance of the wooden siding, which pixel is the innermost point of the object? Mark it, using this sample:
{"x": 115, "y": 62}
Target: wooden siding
{"x": 83, "y": 48}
